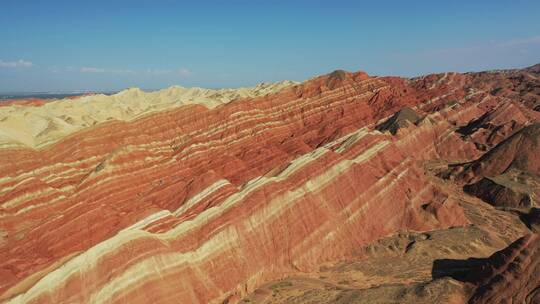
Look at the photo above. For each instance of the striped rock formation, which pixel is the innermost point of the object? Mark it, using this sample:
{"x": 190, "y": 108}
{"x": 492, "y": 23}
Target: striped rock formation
{"x": 510, "y": 275}
{"x": 201, "y": 202}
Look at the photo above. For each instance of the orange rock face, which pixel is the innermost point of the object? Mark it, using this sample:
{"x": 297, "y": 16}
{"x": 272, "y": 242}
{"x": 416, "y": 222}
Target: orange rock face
{"x": 199, "y": 205}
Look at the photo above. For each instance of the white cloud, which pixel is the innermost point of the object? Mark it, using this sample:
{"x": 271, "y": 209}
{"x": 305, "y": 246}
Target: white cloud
{"x": 479, "y": 49}
{"x": 92, "y": 70}
{"x": 102, "y": 70}
{"x": 122, "y": 71}
{"x": 520, "y": 42}
{"x": 158, "y": 72}
{"x": 15, "y": 64}
{"x": 184, "y": 72}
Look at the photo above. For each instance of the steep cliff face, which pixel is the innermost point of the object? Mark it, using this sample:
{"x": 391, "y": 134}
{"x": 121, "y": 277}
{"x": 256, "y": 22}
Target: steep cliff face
{"x": 202, "y": 203}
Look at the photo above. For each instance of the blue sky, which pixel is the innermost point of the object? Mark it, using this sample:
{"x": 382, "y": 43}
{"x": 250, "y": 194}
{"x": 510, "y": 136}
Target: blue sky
{"x": 110, "y": 45}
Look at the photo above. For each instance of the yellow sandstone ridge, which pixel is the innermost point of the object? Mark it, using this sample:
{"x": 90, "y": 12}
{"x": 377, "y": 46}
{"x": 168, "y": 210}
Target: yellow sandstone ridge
{"x": 36, "y": 127}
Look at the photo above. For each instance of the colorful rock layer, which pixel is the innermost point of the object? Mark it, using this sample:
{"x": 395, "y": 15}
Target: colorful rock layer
{"x": 197, "y": 204}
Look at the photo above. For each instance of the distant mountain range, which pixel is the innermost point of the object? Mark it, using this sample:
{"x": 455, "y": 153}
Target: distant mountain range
{"x": 45, "y": 95}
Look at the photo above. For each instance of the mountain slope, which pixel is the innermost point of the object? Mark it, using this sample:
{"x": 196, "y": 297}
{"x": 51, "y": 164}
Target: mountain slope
{"x": 162, "y": 207}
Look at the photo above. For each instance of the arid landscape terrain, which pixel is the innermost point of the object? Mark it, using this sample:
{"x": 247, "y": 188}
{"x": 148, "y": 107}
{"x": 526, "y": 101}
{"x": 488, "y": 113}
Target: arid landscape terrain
{"x": 344, "y": 188}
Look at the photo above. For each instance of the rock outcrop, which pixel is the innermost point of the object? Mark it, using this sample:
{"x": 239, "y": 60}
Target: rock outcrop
{"x": 510, "y": 275}
{"x": 402, "y": 119}
{"x": 503, "y": 191}
{"x": 509, "y": 174}
{"x": 495, "y": 126}
{"x": 520, "y": 151}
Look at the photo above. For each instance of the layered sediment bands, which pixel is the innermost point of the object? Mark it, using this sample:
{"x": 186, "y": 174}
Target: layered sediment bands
{"x": 520, "y": 152}
{"x": 48, "y": 121}
{"x": 200, "y": 204}
{"x": 503, "y": 191}
{"x": 511, "y": 274}
{"x": 496, "y": 125}
{"x": 507, "y": 175}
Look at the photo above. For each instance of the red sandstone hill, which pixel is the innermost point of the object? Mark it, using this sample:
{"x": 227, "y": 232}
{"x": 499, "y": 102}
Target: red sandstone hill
{"x": 511, "y": 274}
{"x": 520, "y": 151}
{"x": 207, "y": 197}
{"x": 507, "y": 276}
{"x": 509, "y": 174}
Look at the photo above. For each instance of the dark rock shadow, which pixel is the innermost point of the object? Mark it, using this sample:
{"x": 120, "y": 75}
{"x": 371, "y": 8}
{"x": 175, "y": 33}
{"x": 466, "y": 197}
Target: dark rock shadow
{"x": 469, "y": 270}
{"x": 472, "y": 126}
{"x": 531, "y": 219}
